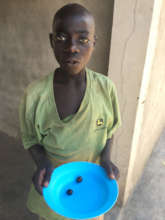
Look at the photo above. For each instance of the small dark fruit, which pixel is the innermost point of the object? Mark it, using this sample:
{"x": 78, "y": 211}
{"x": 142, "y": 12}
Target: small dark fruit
{"x": 79, "y": 179}
{"x": 69, "y": 191}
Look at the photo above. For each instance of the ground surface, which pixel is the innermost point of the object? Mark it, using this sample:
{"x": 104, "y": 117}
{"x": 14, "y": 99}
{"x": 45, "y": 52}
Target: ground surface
{"x": 148, "y": 200}
{"x": 146, "y": 203}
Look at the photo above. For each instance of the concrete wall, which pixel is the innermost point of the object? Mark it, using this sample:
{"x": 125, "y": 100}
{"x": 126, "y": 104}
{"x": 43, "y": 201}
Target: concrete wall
{"x": 153, "y": 119}
{"x": 25, "y": 51}
{"x": 136, "y": 66}
{"x": 131, "y": 27}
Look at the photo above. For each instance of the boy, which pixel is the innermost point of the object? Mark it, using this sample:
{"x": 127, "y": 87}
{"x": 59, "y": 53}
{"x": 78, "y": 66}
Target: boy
{"x": 71, "y": 114}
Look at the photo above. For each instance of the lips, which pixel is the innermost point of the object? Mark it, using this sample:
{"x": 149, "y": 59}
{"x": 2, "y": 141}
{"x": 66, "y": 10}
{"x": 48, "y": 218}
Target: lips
{"x": 71, "y": 61}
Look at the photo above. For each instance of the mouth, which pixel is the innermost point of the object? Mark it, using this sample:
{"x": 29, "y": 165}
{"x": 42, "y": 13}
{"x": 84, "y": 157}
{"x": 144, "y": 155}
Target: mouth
{"x": 71, "y": 61}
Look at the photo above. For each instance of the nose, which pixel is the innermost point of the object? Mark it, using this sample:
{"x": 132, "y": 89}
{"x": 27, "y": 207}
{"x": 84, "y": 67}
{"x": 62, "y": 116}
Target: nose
{"x": 71, "y": 46}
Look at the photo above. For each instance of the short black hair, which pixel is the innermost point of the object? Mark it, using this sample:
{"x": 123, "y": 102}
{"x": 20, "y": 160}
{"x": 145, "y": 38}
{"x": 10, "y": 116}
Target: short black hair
{"x": 75, "y": 8}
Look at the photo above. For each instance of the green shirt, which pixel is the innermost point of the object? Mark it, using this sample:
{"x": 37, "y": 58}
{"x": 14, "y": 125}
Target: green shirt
{"x": 79, "y": 137}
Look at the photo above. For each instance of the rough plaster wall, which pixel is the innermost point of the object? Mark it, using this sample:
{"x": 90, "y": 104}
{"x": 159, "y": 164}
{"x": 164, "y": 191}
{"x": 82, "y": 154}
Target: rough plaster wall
{"x": 25, "y": 51}
{"x": 154, "y": 109}
{"x": 131, "y": 26}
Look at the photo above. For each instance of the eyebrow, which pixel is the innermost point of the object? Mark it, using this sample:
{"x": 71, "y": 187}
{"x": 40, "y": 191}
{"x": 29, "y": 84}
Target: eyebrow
{"x": 82, "y": 32}
{"x": 77, "y": 32}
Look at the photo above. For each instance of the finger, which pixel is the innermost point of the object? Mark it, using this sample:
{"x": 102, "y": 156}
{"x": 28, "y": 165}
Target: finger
{"x": 47, "y": 177}
{"x": 40, "y": 181}
{"x": 41, "y": 177}
{"x": 110, "y": 173}
{"x": 107, "y": 166}
{"x": 115, "y": 171}
{"x": 109, "y": 170}
{"x": 111, "y": 176}
{"x": 45, "y": 184}
{"x": 35, "y": 183}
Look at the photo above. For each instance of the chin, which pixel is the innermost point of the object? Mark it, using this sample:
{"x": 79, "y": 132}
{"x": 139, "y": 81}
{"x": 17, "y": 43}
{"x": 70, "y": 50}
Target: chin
{"x": 72, "y": 70}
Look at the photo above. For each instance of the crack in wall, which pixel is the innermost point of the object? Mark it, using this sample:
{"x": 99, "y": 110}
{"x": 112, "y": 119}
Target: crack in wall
{"x": 126, "y": 45}
{"x": 123, "y": 61}
{"x": 120, "y": 133}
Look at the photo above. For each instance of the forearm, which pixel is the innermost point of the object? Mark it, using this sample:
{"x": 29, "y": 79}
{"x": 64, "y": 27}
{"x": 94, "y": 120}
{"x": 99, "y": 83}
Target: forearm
{"x": 105, "y": 160}
{"x": 38, "y": 154}
{"x": 106, "y": 152}
{"x": 44, "y": 169}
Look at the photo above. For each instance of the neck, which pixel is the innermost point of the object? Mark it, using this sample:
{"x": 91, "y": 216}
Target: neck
{"x": 65, "y": 78}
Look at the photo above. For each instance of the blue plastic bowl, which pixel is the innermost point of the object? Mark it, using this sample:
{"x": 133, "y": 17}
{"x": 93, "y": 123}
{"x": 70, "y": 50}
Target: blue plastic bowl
{"x": 92, "y": 196}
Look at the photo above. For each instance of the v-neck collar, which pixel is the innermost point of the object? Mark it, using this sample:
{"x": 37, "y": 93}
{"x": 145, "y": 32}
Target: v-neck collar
{"x": 84, "y": 101}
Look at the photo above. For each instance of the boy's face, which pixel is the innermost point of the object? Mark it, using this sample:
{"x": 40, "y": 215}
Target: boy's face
{"x": 73, "y": 42}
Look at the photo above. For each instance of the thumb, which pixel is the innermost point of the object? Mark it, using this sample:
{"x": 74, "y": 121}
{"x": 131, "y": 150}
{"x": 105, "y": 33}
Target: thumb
{"x": 111, "y": 176}
{"x": 46, "y": 183}
{"x": 110, "y": 172}
{"x": 107, "y": 166}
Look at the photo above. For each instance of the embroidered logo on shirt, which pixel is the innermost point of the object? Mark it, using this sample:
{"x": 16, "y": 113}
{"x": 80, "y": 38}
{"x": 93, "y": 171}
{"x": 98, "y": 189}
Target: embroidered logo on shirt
{"x": 99, "y": 122}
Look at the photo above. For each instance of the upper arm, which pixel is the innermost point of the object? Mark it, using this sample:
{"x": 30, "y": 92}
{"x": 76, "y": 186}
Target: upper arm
{"x": 115, "y": 110}
{"x": 27, "y": 125}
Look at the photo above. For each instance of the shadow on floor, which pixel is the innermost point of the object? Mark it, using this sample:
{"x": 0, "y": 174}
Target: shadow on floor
{"x": 15, "y": 176}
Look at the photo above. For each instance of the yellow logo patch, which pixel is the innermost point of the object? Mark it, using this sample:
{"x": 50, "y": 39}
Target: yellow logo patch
{"x": 99, "y": 122}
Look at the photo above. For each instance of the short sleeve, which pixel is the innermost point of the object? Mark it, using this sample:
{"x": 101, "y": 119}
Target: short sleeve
{"x": 115, "y": 110}
{"x": 27, "y": 127}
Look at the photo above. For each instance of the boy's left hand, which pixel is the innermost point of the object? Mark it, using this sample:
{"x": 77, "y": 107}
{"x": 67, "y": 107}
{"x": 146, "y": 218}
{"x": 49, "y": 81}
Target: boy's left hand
{"x": 111, "y": 169}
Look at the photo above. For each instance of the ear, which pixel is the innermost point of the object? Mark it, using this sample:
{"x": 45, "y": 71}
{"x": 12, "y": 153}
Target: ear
{"x": 51, "y": 40}
{"x": 95, "y": 39}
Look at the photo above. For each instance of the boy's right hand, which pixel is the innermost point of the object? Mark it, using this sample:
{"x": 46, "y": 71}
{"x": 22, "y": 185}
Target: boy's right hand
{"x": 42, "y": 176}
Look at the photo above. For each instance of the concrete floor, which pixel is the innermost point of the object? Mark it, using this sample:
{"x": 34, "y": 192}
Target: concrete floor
{"x": 148, "y": 200}
{"x": 146, "y": 203}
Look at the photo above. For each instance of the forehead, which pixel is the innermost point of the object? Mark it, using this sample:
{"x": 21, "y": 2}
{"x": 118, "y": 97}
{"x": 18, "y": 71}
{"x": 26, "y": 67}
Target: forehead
{"x": 74, "y": 23}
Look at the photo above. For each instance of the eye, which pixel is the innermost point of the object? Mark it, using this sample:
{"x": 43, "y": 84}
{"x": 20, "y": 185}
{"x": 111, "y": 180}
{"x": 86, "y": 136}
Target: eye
{"x": 60, "y": 37}
{"x": 84, "y": 40}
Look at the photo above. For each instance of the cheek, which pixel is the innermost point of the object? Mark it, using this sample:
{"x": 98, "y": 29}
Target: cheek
{"x": 87, "y": 54}
{"x": 57, "y": 52}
